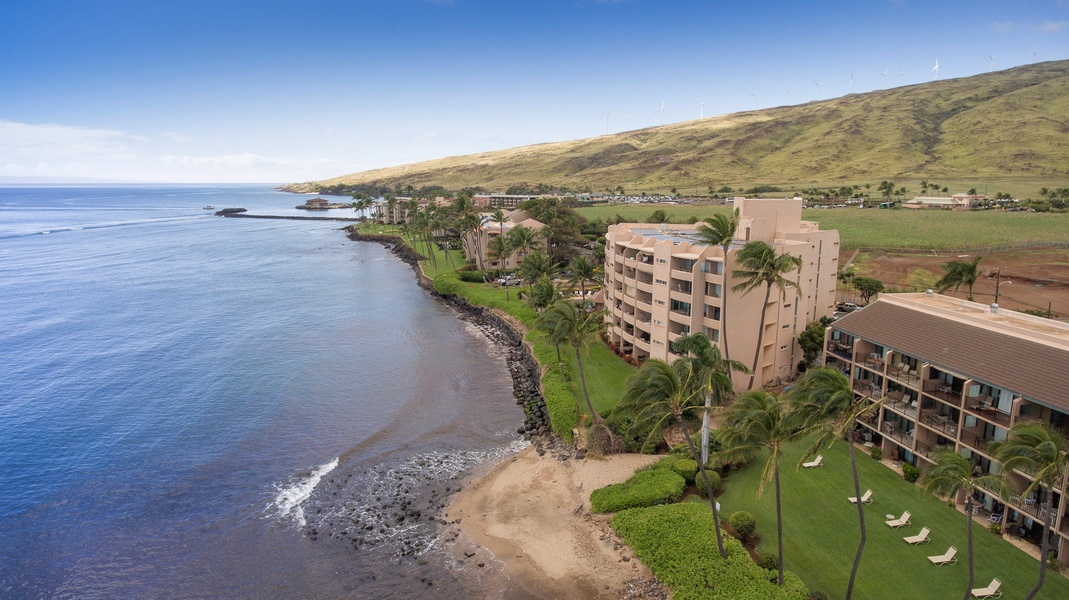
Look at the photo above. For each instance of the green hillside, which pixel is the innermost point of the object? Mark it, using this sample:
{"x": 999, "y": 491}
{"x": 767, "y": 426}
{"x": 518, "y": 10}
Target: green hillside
{"x": 1008, "y": 126}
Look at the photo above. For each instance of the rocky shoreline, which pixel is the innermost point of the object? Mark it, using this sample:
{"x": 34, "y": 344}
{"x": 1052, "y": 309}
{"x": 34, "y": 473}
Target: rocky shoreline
{"x": 525, "y": 370}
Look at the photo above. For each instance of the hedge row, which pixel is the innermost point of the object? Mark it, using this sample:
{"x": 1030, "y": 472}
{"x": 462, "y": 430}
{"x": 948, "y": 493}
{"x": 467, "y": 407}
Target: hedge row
{"x": 678, "y": 544}
{"x": 644, "y": 488}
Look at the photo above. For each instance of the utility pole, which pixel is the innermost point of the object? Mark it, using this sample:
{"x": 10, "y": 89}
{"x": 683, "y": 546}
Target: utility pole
{"x": 998, "y": 279}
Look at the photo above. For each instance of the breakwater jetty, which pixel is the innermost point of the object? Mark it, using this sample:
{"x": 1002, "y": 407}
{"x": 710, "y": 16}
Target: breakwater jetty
{"x": 241, "y": 213}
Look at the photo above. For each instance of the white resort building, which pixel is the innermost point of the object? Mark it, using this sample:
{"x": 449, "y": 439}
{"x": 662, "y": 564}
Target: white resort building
{"x": 662, "y": 283}
{"x": 958, "y": 375}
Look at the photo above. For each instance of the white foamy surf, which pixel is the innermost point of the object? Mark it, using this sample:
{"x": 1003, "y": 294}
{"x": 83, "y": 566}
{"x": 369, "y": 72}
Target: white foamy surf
{"x": 290, "y": 499}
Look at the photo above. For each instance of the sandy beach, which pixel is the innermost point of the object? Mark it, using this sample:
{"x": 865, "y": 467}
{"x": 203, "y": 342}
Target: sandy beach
{"x": 530, "y": 516}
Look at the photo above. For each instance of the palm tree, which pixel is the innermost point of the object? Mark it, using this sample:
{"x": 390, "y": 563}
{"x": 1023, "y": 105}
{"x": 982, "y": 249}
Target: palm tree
{"x": 565, "y": 323}
{"x": 960, "y": 273}
{"x": 522, "y": 238}
{"x": 543, "y": 294}
{"x": 758, "y": 420}
{"x": 1038, "y": 450}
{"x": 824, "y": 402}
{"x": 951, "y": 475}
{"x": 537, "y": 265}
{"x": 499, "y": 250}
{"x": 712, "y": 373}
{"x": 719, "y": 230}
{"x": 660, "y": 392}
{"x": 583, "y": 270}
{"x": 761, "y": 265}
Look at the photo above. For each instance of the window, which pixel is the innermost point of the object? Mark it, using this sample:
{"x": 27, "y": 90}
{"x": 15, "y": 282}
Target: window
{"x": 714, "y": 267}
{"x": 662, "y": 261}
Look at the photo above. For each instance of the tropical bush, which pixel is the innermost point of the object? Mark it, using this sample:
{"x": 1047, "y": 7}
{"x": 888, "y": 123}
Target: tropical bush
{"x": 633, "y": 435}
{"x": 644, "y": 488}
{"x": 474, "y": 276}
{"x": 767, "y": 560}
{"x": 687, "y": 468}
{"x": 743, "y": 523}
{"x": 714, "y": 482}
{"x": 876, "y": 453}
{"x": 678, "y": 545}
{"x": 910, "y": 473}
{"x": 666, "y": 462}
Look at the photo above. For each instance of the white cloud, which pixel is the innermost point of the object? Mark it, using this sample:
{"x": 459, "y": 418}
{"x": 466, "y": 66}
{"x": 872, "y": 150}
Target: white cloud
{"x": 1052, "y": 26}
{"x": 26, "y": 140}
{"x": 1002, "y": 26}
{"x": 176, "y": 136}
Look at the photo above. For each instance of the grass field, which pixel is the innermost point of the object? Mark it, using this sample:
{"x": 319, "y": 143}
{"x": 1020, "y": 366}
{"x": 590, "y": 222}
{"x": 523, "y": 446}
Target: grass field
{"x": 821, "y": 533}
{"x": 900, "y": 228}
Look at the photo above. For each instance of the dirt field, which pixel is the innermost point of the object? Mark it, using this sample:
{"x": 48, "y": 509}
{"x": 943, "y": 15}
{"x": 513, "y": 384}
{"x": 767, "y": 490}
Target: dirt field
{"x": 1032, "y": 279}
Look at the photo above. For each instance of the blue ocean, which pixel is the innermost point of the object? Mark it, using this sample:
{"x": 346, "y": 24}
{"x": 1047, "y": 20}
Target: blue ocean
{"x": 200, "y": 407}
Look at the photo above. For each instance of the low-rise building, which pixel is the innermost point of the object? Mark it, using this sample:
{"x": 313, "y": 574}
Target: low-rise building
{"x": 955, "y": 201}
{"x": 476, "y": 245}
{"x": 958, "y": 375}
{"x": 662, "y": 282}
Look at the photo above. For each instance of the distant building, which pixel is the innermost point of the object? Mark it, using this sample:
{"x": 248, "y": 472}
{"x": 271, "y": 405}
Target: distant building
{"x": 317, "y": 204}
{"x": 958, "y": 375}
{"x": 956, "y": 201}
{"x": 476, "y": 245}
{"x": 509, "y": 201}
{"x": 662, "y": 283}
{"x": 400, "y": 215}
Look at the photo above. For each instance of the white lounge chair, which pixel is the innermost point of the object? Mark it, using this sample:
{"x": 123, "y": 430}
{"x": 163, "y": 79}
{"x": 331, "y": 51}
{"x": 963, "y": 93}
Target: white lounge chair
{"x": 920, "y": 538}
{"x": 900, "y": 521}
{"x": 991, "y": 591}
{"x": 946, "y": 558}
{"x": 816, "y": 462}
{"x": 866, "y": 498}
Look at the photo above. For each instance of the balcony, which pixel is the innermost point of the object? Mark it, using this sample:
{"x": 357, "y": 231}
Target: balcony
{"x": 989, "y": 414}
{"x": 682, "y": 275}
{"x": 840, "y": 350}
{"x": 902, "y": 406}
{"x": 941, "y": 422}
{"x": 938, "y": 389}
{"x": 903, "y": 374}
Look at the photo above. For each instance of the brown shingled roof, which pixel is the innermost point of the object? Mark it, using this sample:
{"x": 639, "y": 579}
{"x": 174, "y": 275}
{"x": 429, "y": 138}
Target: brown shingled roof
{"x": 1030, "y": 368}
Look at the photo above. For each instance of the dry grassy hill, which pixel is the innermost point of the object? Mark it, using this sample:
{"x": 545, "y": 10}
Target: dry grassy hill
{"x": 1007, "y": 125}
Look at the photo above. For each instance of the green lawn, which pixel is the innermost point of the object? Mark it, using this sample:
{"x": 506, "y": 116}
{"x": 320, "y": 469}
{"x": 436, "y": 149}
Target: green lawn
{"x": 821, "y": 533}
{"x": 900, "y": 228}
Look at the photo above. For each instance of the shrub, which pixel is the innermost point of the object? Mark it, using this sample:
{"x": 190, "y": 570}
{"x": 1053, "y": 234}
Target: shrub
{"x": 767, "y": 560}
{"x": 447, "y": 285}
{"x": 687, "y": 468}
{"x": 474, "y": 276}
{"x": 743, "y": 523}
{"x": 996, "y": 528}
{"x": 665, "y": 462}
{"x": 644, "y": 488}
{"x": 714, "y": 482}
{"x": 633, "y": 436}
{"x": 678, "y": 545}
{"x": 876, "y": 453}
{"x": 818, "y": 596}
{"x": 910, "y": 473}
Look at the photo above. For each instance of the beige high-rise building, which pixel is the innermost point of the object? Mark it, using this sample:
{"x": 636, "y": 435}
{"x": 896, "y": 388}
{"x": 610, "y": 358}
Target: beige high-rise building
{"x": 662, "y": 283}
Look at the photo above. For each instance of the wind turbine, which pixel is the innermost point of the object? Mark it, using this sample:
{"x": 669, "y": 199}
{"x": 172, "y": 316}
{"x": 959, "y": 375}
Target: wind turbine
{"x": 607, "y": 122}
{"x": 1033, "y": 53}
{"x": 755, "y": 98}
{"x": 662, "y": 113}
{"x": 936, "y": 69}
{"x": 885, "y": 77}
{"x": 702, "y": 114}
{"x": 818, "y": 88}
{"x": 992, "y": 57}
{"x": 851, "y": 82}
{"x": 901, "y": 75}
{"x": 786, "y": 95}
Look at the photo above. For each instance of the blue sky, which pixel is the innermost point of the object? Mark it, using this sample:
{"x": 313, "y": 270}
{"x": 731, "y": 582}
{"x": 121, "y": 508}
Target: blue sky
{"x": 244, "y": 91}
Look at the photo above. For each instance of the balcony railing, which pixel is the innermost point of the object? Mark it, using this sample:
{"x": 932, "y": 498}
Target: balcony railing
{"x": 988, "y": 413}
{"x": 941, "y": 423}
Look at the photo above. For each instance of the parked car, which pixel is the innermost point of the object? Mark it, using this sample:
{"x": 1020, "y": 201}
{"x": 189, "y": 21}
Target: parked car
{"x": 848, "y": 307}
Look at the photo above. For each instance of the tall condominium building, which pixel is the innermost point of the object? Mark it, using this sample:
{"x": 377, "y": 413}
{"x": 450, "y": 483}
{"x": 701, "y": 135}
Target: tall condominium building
{"x": 661, "y": 283}
{"x": 958, "y": 375}
{"x": 476, "y": 244}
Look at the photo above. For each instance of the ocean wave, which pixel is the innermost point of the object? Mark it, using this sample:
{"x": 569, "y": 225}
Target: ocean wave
{"x": 289, "y": 502}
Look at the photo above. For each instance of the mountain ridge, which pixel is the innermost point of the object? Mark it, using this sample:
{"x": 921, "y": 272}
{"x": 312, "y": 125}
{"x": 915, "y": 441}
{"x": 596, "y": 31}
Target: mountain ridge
{"x": 1005, "y": 124}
